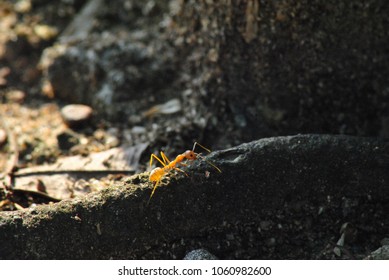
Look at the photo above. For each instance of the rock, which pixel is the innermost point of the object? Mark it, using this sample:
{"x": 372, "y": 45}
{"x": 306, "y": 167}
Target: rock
{"x": 381, "y": 253}
{"x": 45, "y": 32}
{"x": 385, "y": 241}
{"x": 15, "y": 96}
{"x": 3, "y": 137}
{"x": 200, "y": 254}
{"x": 260, "y": 181}
{"x": 304, "y": 66}
{"x": 76, "y": 115}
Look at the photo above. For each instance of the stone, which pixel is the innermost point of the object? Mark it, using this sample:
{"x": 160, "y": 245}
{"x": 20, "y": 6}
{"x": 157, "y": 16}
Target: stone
{"x": 381, "y": 253}
{"x": 76, "y": 115}
{"x": 200, "y": 254}
{"x": 15, "y": 96}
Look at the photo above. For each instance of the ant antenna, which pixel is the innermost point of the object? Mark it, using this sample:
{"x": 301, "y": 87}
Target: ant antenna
{"x": 210, "y": 163}
{"x": 200, "y": 156}
{"x": 194, "y": 146}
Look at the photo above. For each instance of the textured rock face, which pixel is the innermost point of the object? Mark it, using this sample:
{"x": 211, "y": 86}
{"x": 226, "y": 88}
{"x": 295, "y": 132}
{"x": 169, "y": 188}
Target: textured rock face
{"x": 113, "y": 57}
{"x": 261, "y": 68}
{"x": 306, "y": 66}
{"x": 277, "y": 198}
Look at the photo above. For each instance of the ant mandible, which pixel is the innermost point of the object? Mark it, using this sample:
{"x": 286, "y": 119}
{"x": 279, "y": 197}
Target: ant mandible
{"x": 157, "y": 173}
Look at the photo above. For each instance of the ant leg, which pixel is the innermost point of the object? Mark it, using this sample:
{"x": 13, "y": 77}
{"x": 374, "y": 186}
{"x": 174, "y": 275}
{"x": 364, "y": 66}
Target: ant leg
{"x": 196, "y": 143}
{"x": 164, "y": 158}
{"x": 176, "y": 168}
{"x": 152, "y": 193}
{"x": 154, "y": 156}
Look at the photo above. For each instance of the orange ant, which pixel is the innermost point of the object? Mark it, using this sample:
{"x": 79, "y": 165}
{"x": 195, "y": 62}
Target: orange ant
{"x": 157, "y": 173}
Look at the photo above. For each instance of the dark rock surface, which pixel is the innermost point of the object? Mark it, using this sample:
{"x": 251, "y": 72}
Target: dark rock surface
{"x": 277, "y": 198}
{"x": 303, "y": 66}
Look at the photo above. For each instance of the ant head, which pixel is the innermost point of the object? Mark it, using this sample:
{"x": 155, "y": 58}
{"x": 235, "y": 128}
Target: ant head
{"x": 190, "y": 155}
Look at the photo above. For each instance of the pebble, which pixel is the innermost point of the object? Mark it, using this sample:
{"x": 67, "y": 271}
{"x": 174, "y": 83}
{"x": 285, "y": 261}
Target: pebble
{"x": 138, "y": 129}
{"x": 15, "y": 96}
{"x": 3, "y": 137}
{"x": 45, "y": 32}
{"x": 381, "y": 253}
{"x": 76, "y": 115}
{"x": 200, "y": 254}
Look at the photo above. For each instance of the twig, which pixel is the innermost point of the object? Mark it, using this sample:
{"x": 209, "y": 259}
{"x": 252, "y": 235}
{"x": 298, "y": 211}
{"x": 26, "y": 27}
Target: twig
{"x": 37, "y": 193}
{"x": 79, "y": 172}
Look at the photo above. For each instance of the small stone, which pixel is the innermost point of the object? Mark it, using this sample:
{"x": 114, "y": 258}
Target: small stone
{"x": 381, "y": 253}
{"x": 76, "y": 115}
{"x": 15, "y": 96}
{"x": 22, "y": 6}
{"x": 213, "y": 55}
{"x": 112, "y": 141}
{"x": 45, "y": 32}
{"x": 337, "y": 251}
{"x": 349, "y": 231}
{"x": 200, "y": 254}
{"x": 138, "y": 129}
{"x": 3, "y": 137}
